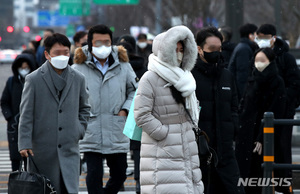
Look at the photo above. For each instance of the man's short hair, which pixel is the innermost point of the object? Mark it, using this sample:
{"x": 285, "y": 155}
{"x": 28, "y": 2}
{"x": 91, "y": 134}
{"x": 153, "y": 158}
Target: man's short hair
{"x": 247, "y": 29}
{"x": 98, "y": 29}
{"x": 79, "y": 35}
{"x": 49, "y": 30}
{"x": 142, "y": 36}
{"x": 226, "y": 32}
{"x": 128, "y": 39}
{"x": 206, "y": 32}
{"x": 267, "y": 29}
{"x": 56, "y": 38}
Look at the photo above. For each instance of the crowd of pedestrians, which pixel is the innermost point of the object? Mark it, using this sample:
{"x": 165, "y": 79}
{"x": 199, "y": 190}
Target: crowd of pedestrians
{"x": 64, "y": 100}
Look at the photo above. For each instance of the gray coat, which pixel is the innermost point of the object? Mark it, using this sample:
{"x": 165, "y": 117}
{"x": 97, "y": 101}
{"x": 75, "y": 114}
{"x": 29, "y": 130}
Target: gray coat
{"x": 109, "y": 94}
{"x": 51, "y": 127}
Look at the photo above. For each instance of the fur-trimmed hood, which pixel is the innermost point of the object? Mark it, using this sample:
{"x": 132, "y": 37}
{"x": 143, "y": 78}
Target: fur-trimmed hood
{"x": 164, "y": 46}
{"x": 82, "y": 54}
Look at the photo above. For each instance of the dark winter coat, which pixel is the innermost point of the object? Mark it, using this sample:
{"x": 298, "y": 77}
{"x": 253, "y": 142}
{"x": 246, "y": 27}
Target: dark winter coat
{"x": 217, "y": 94}
{"x": 145, "y": 53}
{"x": 240, "y": 63}
{"x": 10, "y": 102}
{"x": 137, "y": 64}
{"x": 290, "y": 73}
{"x": 227, "y": 50}
{"x": 40, "y": 56}
{"x": 265, "y": 92}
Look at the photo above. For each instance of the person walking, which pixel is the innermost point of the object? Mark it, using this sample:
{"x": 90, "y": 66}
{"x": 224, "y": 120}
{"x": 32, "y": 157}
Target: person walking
{"x": 137, "y": 64}
{"x": 54, "y": 112}
{"x": 164, "y": 99}
{"x": 144, "y": 49}
{"x": 227, "y": 45}
{"x": 80, "y": 38}
{"x": 136, "y": 61}
{"x": 265, "y": 92}
{"x": 10, "y": 102}
{"x": 289, "y": 71}
{"x": 240, "y": 60}
{"x": 217, "y": 94}
{"x": 112, "y": 83}
{"x": 40, "y": 57}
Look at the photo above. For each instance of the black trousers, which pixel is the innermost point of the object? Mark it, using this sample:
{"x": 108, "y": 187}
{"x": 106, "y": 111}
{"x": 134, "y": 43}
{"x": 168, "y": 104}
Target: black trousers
{"x": 283, "y": 154}
{"x": 221, "y": 179}
{"x": 136, "y": 159}
{"x": 117, "y": 164}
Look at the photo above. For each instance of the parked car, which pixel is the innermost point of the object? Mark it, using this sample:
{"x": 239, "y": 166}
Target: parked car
{"x": 8, "y": 55}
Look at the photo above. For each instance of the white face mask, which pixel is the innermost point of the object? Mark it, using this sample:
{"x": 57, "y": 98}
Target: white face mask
{"x": 23, "y": 72}
{"x": 260, "y": 66}
{"x": 142, "y": 45}
{"x": 264, "y": 43}
{"x": 59, "y": 62}
{"x": 102, "y": 52}
{"x": 179, "y": 57}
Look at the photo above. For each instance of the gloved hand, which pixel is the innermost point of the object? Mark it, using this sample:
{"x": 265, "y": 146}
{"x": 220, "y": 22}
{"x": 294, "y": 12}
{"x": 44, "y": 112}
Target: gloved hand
{"x": 258, "y": 148}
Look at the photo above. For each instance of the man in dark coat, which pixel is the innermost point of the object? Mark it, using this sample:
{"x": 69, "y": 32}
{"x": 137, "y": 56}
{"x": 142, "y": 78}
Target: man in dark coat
{"x": 227, "y": 45}
{"x": 288, "y": 70}
{"x": 136, "y": 61}
{"x": 54, "y": 112}
{"x": 216, "y": 92}
{"x": 40, "y": 57}
{"x": 10, "y": 102}
{"x": 144, "y": 49}
{"x": 240, "y": 61}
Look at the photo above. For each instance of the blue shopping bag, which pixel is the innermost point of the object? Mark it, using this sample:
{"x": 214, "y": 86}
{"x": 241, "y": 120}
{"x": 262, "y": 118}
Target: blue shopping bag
{"x": 131, "y": 130}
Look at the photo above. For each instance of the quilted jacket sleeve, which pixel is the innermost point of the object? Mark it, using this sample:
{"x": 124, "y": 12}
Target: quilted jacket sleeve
{"x": 143, "y": 109}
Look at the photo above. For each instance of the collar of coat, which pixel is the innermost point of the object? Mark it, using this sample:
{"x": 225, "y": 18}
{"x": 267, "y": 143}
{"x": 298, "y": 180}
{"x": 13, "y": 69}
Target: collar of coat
{"x": 209, "y": 70}
{"x": 47, "y": 77}
{"x": 252, "y": 45}
{"x": 280, "y": 47}
{"x": 267, "y": 74}
{"x": 118, "y": 54}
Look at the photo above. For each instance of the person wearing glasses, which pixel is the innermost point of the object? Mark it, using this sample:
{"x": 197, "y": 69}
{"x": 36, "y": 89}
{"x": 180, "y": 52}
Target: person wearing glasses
{"x": 111, "y": 82}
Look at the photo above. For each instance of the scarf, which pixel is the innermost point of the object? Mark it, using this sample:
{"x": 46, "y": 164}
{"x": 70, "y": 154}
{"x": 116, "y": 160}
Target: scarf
{"x": 182, "y": 80}
{"x": 59, "y": 81}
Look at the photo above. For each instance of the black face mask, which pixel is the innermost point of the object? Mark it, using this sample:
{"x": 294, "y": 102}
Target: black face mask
{"x": 212, "y": 57}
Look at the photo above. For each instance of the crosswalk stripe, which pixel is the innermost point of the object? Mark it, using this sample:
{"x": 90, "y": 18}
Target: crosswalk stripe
{"x": 5, "y": 169}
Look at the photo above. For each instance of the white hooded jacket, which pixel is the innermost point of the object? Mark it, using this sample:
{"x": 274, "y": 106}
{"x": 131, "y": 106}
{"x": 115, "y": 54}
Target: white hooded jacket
{"x": 169, "y": 155}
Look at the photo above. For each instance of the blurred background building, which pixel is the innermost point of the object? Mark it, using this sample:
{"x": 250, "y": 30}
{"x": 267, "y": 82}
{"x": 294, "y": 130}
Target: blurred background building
{"x": 24, "y": 20}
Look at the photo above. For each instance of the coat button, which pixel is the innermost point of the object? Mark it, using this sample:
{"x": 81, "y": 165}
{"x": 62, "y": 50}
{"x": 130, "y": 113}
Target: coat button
{"x": 59, "y": 146}
{"x": 60, "y": 128}
{"x": 60, "y": 111}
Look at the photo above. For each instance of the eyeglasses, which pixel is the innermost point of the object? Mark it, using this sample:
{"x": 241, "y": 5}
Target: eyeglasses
{"x": 99, "y": 43}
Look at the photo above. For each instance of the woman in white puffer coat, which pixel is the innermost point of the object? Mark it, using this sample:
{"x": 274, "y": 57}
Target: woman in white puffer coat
{"x": 169, "y": 154}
